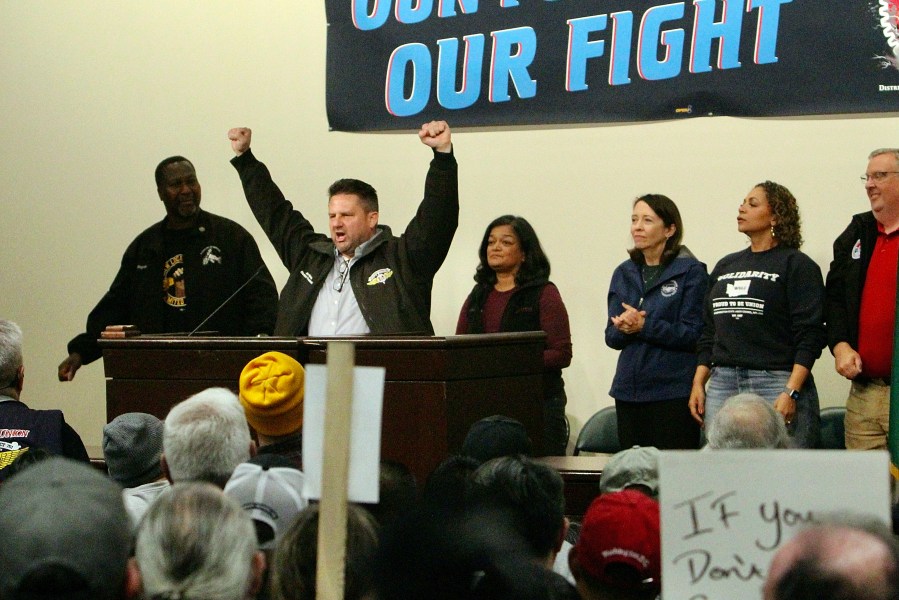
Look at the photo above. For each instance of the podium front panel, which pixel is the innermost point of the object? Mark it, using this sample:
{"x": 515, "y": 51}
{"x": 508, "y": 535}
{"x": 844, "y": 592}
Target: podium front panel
{"x": 435, "y": 388}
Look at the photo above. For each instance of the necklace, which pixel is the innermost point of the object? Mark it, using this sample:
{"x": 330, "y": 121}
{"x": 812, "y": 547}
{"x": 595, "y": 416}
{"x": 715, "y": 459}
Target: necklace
{"x": 650, "y": 273}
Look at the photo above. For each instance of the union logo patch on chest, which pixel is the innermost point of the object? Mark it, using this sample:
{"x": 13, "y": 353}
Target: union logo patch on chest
{"x": 669, "y": 288}
{"x": 380, "y": 276}
{"x": 211, "y": 255}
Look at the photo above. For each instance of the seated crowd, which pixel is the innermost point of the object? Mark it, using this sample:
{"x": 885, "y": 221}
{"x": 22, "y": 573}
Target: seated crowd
{"x": 192, "y": 508}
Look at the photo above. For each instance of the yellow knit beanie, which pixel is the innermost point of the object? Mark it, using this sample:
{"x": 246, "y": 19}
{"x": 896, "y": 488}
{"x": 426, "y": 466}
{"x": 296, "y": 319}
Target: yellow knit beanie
{"x": 271, "y": 391}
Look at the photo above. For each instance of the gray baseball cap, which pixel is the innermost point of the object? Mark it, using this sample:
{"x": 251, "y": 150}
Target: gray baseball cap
{"x": 637, "y": 466}
{"x": 64, "y": 527}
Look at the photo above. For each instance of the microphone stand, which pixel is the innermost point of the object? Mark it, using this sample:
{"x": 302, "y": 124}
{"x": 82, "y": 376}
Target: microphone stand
{"x": 222, "y": 305}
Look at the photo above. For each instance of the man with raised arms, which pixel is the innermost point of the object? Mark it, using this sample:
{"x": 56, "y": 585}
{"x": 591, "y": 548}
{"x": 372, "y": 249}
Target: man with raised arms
{"x": 362, "y": 279}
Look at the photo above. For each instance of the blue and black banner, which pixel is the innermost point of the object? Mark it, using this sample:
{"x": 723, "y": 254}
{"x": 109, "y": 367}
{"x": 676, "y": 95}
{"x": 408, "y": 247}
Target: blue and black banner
{"x": 393, "y": 64}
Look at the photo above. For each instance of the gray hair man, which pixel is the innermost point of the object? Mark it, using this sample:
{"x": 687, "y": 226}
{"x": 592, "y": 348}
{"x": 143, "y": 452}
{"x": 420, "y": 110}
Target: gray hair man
{"x": 22, "y": 427}
{"x": 205, "y": 437}
{"x": 196, "y": 524}
{"x": 747, "y": 421}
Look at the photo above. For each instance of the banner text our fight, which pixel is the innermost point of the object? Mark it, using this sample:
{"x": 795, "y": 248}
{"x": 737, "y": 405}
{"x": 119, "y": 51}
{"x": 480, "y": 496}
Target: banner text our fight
{"x": 665, "y": 41}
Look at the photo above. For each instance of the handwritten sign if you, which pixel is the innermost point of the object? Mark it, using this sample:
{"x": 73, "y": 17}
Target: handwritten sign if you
{"x": 725, "y": 513}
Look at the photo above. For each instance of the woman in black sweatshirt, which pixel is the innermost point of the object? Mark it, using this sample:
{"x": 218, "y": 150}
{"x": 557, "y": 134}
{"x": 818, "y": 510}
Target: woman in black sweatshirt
{"x": 764, "y": 324}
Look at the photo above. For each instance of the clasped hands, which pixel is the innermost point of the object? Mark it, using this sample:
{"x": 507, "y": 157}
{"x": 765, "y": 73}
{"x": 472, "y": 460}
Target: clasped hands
{"x": 630, "y": 321}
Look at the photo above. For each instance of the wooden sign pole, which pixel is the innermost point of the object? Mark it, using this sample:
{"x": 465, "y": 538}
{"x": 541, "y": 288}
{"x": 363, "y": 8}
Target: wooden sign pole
{"x": 332, "y": 522}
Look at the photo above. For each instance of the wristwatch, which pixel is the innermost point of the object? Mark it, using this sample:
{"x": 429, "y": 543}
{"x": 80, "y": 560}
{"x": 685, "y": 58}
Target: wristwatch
{"x": 794, "y": 394}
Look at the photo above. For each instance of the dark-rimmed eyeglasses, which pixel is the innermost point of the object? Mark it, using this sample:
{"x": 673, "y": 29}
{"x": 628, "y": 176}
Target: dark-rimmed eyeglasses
{"x": 343, "y": 270}
{"x": 877, "y": 176}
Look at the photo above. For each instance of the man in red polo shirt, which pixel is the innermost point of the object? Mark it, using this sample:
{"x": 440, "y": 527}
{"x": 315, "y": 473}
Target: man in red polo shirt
{"x": 861, "y": 303}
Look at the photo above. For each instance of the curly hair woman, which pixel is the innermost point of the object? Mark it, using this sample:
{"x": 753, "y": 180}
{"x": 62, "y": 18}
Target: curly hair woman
{"x": 764, "y": 325}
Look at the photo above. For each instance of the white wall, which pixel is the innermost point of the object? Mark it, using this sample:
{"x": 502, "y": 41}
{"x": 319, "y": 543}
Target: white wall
{"x": 94, "y": 93}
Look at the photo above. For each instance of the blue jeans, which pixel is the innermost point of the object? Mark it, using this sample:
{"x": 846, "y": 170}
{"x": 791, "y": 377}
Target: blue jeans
{"x": 725, "y": 382}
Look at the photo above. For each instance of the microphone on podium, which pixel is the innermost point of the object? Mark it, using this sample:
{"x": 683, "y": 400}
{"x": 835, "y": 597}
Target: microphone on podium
{"x": 222, "y": 305}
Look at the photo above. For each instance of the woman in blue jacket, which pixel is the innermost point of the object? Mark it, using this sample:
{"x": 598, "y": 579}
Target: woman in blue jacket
{"x": 655, "y": 319}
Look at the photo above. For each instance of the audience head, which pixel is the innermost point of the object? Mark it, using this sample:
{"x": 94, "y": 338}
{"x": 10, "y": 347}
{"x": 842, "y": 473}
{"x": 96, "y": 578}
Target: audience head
{"x": 195, "y": 542}
{"x": 747, "y": 421}
{"x": 618, "y": 553}
{"x": 634, "y": 468}
{"x": 205, "y": 437}
{"x": 296, "y": 555}
{"x": 270, "y": 489}
{"x": 841, "y": 558}
{"x": 448, "y": 484}
{"x": 397, "y": 492}
{"x": 11, "y": 362}
{"x": 66, "y": 535}
{"x": 535, "y": 265}
{"x": 132, "y": 447}
{"x": 496, "y": 436}
{"x": 531, "y": 493}
{"x": 271, "y": 392}
{"x": 467, "y": 555}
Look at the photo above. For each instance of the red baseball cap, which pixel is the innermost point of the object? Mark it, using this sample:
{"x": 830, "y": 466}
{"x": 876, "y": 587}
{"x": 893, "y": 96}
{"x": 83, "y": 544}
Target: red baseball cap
{"x": 620, "y": 544}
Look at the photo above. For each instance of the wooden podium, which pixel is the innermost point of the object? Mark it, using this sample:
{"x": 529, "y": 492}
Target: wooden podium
{"x": 435, "y": 388}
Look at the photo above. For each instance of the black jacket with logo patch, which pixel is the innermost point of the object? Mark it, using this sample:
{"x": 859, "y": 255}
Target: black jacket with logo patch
{"x": 846, "y": 279}
{"x": 219, "y": 256}
{"x": 392, "y": 282}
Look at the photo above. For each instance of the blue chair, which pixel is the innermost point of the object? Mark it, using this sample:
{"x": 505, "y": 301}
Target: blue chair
{"x": 833, "y": 428}
{"x": 600, "y": 433}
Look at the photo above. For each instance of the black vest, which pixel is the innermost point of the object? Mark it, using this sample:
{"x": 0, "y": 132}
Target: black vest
{"x": 521, "y": 314}
{"x": 22, "y": 428}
